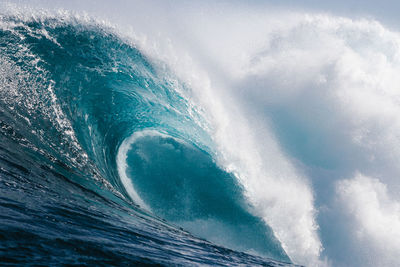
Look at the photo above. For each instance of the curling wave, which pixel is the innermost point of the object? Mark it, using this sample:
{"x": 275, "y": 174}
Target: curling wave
{"x": 265, "y": 131}
{"x": 106, "y": 142}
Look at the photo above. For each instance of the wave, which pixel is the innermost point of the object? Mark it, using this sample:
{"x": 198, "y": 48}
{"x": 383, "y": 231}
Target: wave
{"x": 96, "y": 131}
{"x": 269, "y": 132}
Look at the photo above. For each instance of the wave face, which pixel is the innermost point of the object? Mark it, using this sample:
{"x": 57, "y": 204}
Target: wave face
{"x": 103, "y": 153}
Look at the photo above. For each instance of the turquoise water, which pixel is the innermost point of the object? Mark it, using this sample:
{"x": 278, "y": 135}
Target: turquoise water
{"x": 104, "y": 159}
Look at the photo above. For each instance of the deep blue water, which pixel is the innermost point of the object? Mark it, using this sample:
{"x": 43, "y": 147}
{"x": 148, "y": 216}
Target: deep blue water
{"x": 80, "y": 109}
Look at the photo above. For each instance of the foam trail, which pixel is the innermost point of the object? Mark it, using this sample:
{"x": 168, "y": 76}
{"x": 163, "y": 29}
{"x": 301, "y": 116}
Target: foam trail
{"x": 122, "y": 166}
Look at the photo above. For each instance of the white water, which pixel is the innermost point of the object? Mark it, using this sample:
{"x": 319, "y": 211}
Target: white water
{"x": 303, "y": 104}
{"x": 305, "y": 110}
{"x": 122, "y": 165}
